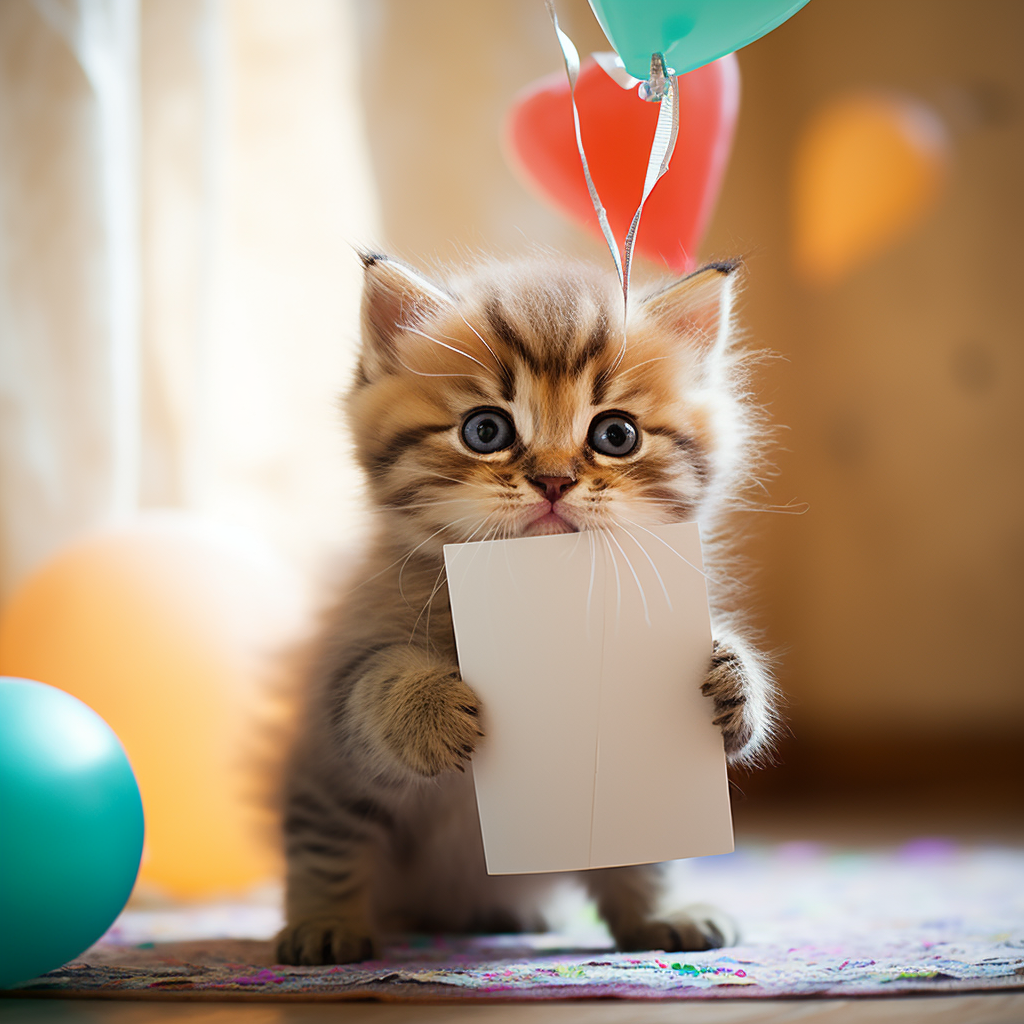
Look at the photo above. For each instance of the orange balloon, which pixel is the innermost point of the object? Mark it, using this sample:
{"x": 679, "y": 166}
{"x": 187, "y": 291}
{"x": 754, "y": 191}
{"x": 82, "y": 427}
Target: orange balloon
{"x": 167, "y": 629}
{"x": 868, "y": 168}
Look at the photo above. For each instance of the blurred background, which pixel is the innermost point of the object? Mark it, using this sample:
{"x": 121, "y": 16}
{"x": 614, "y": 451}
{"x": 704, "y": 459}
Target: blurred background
{"x": 182, "y": 184}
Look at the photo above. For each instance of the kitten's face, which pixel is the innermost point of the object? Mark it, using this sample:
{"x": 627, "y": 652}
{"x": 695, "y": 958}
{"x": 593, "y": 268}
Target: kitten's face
{"x": 509, "y": 406}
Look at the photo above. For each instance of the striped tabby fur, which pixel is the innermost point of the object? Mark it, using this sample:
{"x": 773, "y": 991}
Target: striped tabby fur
{"x": 379, "y": 819}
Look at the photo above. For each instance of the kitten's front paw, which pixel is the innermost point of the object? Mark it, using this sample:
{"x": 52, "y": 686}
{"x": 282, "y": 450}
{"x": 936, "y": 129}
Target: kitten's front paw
{"x": 432, "y": 722}
{"x": 323, "y": 941}
{"x": 694, "y": 928}
{"x": 735, "y": 683}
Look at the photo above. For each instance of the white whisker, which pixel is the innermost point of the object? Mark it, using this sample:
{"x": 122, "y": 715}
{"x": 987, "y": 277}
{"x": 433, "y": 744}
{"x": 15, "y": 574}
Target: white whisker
{"x": 451, "y": 348}
{"x": 438, "y": 583}
{"x": 504, "y": 548}
{"x": 799, "y": 509}
{"x": 440, "y": 476}
{"x": 401, "y": 558}
{"x": 423, "y": 504}
{"x": 426, "y": 608}
{"x": 482, "y": 339}
{"x": 489, "y": 535}
{"x": 646, "y": 555}
{"x": 673, "y": 550}
{"x": 637, "y": 366}
{"x": 618, "y": 581}
{"x": 593, "y": 567}
{"x": 421, "y": 373}
{"x": 405, "y": 561}
{"x": 636, "y": 579}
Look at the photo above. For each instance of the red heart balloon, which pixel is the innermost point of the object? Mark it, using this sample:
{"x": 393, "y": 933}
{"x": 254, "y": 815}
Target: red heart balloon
{"x": 618, "y": 128}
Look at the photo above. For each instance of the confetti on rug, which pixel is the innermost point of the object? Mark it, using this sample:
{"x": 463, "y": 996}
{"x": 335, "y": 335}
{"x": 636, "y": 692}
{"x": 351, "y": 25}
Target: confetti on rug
{"x": 928, "y": 917}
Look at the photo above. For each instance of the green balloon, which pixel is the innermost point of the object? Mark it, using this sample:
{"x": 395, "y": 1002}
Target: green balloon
{"x": 689, "y": 33}
{"x": 71, "y": 828}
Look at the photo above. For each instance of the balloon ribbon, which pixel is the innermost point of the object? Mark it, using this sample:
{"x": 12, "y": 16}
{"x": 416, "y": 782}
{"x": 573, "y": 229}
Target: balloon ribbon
{"x": 662, "y": 88}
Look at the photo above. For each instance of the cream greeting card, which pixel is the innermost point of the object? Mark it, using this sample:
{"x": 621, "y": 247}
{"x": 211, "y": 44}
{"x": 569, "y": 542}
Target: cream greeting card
{"x": 588, "y": 651}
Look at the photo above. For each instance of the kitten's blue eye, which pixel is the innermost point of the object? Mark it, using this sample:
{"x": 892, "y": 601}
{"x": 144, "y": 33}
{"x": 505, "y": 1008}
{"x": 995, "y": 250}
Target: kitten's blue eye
{"x": 613, "y": 434}
{"x": 487, "y": 430}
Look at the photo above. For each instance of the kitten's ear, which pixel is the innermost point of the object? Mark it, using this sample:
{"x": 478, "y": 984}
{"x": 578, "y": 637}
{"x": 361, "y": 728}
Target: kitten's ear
{"x": 394, "y": 297}
{"x": 699, "y": 306}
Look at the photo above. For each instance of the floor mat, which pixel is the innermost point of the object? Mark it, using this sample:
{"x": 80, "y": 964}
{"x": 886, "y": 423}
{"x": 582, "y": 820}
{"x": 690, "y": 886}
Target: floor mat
{"x": 927, "y": 917}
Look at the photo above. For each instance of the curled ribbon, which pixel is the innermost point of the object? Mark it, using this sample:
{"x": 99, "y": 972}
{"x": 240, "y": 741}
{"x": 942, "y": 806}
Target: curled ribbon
{"x": 662, "y": 88}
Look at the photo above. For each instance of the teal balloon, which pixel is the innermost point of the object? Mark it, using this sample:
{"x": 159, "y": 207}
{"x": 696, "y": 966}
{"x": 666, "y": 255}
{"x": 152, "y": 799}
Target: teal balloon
{"x": 690, "y": 33}
{"x": 71, "y": 828}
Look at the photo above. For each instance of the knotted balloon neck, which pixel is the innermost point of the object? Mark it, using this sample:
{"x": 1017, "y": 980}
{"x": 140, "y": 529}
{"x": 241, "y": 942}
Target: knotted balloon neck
{"x": 659, "y": 85}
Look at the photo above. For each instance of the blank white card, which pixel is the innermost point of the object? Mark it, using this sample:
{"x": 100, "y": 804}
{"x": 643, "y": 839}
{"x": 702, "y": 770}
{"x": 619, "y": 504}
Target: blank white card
{"x": 588, "y": 652}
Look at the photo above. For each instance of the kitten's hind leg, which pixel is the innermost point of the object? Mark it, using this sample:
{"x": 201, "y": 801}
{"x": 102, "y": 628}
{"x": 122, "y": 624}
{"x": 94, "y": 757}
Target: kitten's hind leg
{"x": 627, "y": 898}
{"x": 330, "y": 860}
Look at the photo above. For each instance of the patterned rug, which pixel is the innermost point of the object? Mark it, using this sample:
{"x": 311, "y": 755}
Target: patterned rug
{"x": 928, "y": 917}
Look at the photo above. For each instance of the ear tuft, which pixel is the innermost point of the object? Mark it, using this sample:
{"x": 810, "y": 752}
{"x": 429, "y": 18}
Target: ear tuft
{"x": 394, "y": 297}
{"x": 369, "y": 258}
{"x": 698, "y": 307}
{"x": 722, "y": 266}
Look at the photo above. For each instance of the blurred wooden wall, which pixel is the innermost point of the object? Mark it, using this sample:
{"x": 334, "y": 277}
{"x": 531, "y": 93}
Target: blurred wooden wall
{"x": 895, "y": 602}
{"x": 897, "y": 599}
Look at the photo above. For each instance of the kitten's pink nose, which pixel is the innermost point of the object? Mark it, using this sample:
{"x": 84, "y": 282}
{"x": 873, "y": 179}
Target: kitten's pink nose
{"x": 552, "y": 487}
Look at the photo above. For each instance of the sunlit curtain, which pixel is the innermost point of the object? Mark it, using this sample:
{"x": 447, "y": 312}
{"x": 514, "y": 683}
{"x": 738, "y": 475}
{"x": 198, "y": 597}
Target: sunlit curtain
{"x": 181, "y": 185}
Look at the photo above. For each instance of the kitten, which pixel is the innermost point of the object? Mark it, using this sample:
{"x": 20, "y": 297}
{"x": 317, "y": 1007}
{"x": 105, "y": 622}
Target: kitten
{"x": 503, "y": 404}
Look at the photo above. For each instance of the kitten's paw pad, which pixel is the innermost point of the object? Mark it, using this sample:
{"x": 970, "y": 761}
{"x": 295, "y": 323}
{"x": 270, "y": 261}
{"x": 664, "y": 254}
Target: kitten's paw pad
{"x": 323, "y": 941}
{"x": 727, "y": 686}
{"x": 433, "y": 722}
{"x": 695, "y": 928}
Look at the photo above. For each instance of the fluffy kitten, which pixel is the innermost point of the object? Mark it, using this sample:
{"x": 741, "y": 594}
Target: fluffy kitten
{"x": 503, "y": 404}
